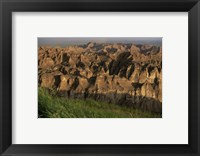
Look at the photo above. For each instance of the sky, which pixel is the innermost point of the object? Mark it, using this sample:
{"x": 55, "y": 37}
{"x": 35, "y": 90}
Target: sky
{"x": 65, "y": 41}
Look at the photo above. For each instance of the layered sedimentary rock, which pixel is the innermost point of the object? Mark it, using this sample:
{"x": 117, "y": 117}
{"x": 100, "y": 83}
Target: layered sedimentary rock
{"x": 124, "y": 74}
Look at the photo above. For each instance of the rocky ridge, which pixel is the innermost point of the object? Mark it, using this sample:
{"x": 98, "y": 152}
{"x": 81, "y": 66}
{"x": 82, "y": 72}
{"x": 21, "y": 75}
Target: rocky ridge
{"x": 125, "y": 74}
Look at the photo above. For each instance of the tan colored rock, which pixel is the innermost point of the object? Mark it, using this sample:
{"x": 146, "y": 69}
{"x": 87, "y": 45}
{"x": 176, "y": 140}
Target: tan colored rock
{"x": 66, "y": 83}
{"x": 124, "y": 74}
{"x": 143, "y": 76}
{"x": 82, "y": 85}
{"x": 153, "y": 74}
{"x": 47, "y": 80}
{"x": 149, "y": 90}
{"x": 46, "y": 63}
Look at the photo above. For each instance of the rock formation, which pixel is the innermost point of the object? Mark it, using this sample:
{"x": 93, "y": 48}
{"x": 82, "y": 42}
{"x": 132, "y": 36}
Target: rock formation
{"x": 124, "y": 74}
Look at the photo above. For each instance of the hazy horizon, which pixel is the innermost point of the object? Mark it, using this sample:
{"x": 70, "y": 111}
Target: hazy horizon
{"x": 66, "y": 41}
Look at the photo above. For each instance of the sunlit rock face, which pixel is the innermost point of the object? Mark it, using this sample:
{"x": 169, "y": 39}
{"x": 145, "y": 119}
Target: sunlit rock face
{"x": 124, "y": 74}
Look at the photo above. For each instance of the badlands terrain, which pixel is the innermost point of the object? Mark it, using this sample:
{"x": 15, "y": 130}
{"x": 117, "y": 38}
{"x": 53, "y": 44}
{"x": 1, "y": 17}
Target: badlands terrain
{"x": 122, "y": 74}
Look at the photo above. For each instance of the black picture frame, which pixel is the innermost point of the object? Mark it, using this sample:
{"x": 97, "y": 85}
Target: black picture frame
{"x": 9, "y": 6}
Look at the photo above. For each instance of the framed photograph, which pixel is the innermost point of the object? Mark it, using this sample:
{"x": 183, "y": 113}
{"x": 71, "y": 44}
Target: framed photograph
{"x": 99, "y": 77}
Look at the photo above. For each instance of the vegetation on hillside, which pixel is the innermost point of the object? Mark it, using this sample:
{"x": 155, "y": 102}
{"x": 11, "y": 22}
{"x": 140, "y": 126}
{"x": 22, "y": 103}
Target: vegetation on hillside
{"x": 52, "y": 106}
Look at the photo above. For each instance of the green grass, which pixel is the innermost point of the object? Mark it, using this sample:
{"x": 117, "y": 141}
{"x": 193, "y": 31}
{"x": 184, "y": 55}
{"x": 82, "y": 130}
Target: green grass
{"x": 51, "y": 106}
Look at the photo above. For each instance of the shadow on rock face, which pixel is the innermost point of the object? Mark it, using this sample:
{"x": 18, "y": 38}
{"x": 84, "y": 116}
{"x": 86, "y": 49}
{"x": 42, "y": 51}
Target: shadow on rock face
{"x": 139, "y": 102}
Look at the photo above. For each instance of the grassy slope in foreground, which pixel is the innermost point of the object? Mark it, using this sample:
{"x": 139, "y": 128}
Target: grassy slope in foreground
{"x": 56, "y": 107}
